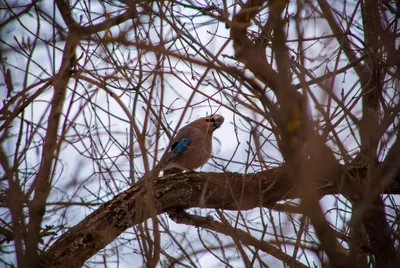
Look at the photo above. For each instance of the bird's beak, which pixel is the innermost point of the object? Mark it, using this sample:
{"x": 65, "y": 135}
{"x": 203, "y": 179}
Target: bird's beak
{"x": 216, "y": 120}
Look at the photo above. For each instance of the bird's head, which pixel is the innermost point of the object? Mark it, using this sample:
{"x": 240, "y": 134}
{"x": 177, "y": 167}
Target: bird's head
{"x": 214, "y": 121}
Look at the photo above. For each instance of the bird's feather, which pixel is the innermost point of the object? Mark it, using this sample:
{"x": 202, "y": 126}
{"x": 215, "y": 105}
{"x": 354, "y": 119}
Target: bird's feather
{"x": 177, "y": 148}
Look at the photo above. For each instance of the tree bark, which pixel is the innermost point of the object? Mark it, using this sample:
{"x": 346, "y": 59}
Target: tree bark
{"x": 229, "y": 191}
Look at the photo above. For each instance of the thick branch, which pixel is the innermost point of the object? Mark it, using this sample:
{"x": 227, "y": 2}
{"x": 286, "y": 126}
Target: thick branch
{"x": 246, "y": 52}
{"x": 230, "y": 191}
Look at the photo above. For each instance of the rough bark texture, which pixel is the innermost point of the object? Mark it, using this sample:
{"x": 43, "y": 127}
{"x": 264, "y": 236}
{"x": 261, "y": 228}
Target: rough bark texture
{"x": 230, "y": 191}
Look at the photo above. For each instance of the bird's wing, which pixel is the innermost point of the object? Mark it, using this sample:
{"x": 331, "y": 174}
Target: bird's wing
{"x": 177, "y": 148}
{"x": 179, "y": 144}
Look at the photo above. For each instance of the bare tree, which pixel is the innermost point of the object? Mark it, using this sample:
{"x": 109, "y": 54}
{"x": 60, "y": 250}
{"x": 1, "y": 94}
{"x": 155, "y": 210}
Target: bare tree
{"x": 305, "y": 170}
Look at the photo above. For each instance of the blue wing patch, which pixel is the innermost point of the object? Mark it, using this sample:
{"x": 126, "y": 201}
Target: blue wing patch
{"x": 176, "y": 149}
{"x": 181, "y": 145}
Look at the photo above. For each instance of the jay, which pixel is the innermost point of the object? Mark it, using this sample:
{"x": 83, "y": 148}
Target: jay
{"x": 192, "y": 146}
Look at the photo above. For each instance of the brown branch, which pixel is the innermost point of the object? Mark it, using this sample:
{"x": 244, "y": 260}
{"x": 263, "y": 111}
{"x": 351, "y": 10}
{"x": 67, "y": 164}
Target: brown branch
{"x": 7, "y": 234}
{"x": 181, "y": 216}
{"x": 14, "y": 202}
{"x": 180, "y": 191}
{"x": 42, "y": 182}
{"x": 380, "y": 235}
{"x": 246, "y": 52}
{"x": 344, "y": 42}
{"x": 374, "y": 219}
{"x": 291, "y": 143}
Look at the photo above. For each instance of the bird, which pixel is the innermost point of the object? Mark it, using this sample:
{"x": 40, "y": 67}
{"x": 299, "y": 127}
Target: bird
{"x": 192, "y": 146}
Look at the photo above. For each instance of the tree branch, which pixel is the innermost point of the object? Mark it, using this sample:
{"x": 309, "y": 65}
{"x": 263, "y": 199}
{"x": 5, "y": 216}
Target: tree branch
{"x": 183, "y": 217}
{"x": 42, "y": 182}
{"x": 181, "y": 191}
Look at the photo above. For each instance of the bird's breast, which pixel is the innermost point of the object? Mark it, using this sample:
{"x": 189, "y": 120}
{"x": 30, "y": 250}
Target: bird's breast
{"x": 197, "y": 153}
